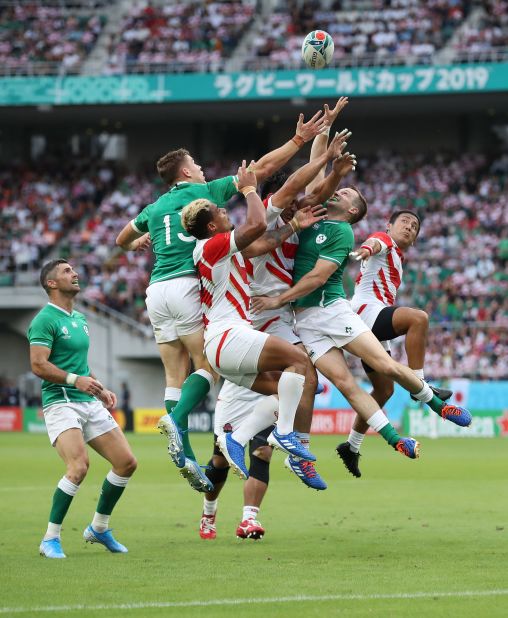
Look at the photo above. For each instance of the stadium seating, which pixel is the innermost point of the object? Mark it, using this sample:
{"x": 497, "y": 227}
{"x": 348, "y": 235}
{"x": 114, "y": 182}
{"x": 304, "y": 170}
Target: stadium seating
{"x": 39, "y": 39}
{"x": 178, "y": 37}
{"x": 389, "y": 32}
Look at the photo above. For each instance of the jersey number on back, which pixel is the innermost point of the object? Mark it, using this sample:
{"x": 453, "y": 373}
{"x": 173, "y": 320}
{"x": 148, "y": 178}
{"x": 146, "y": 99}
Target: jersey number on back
{"x": 167, "y": 227}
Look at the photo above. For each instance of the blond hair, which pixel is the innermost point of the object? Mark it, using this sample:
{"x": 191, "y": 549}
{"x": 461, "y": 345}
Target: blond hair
{"x": 196, "y": 216}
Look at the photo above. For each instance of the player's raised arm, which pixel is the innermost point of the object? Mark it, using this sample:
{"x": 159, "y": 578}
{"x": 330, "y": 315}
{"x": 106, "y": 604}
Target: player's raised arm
{"x": 255, "y": 223}
{"x": 320, "y": 142}
{"x": 341, "y": 166}
{"x": 130, "y": 239}
{"x": 296, "y": 183}
{"x": 274, "y": 160}
{"x": 368, "y": 248}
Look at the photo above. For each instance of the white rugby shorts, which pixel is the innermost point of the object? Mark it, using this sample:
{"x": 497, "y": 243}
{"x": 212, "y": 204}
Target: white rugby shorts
{"x": 278, "y": 322}
{"x": 91, "y": 417}
{"x": 234, "y": 353}
{"x": 369, "y": 313}
{"x": 324, "y": 328}
{"x": 174, "y": 308}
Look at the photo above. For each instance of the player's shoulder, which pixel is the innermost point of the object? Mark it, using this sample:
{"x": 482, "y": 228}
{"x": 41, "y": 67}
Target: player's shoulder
{"x": 383, "y": 237}
{"x": 79, "y": 316}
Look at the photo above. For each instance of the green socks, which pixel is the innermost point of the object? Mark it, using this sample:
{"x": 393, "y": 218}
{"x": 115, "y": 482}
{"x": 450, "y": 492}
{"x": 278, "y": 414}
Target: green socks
{"x": 389, "y": 434}
{"x": 436, "y": 404}
{"x": 112, "y": 488}
{"x": 194, "y": 390}
{"x": 60, "y": 506}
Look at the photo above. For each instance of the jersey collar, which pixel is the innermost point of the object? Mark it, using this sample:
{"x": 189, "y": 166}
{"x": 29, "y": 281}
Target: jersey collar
{"x": 179, "y": 185}
{"x": 60, "y": 309}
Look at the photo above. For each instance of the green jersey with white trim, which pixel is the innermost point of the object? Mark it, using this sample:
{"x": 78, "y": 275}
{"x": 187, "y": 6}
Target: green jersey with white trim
{"x": 326, "y": 240}
{"x": 171, "y": 244}
{"x": 66, "y": 335}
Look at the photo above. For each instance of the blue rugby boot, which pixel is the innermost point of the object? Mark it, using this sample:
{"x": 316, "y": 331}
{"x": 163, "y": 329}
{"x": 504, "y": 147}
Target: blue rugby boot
{"x": 290, "y": 444}
{"x": 168, "y": 427}
{"x": 51, "y": 548}
{"x": 104, "y": 538}
{"x": 306, "y": 472}
{"x": 408, "y": 447}
{"x": 195, "y": 476}
{"x": 457, "y": 415}
{"x": 234, "y": 452}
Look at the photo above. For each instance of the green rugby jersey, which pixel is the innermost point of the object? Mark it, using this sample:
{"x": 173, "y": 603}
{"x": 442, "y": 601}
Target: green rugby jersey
{"x": 326, "y": 240}
{"x": 171, "y": 244}
{"x": 66, "y": 335}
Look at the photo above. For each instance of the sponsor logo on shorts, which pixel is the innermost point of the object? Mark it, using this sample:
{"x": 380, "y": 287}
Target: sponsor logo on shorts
{"x": 228, "y": 428}
{"x": 320, "y": 239}
{"x": 311, "y": 353}
{"x": 349, "y": 330}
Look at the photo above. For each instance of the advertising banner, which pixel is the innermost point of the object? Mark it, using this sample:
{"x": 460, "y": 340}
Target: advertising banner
{"x": 11, "y": 418}
{"x": 333, "y": 421}
{"x": 146, "y": 419}
{"x": 33, "y": 420}
{"x": 248, "y": 85}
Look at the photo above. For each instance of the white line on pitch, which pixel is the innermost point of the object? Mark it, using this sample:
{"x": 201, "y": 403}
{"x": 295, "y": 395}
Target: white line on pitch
{"x": 255, "y": 601}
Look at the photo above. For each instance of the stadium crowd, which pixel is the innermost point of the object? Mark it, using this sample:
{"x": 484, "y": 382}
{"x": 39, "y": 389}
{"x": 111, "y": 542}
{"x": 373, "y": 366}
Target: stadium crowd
{"x": 390, "y": 31}
{"x": 46, "y": 39}
{"x": 178, "y": 37}
{"x": 457, "y": 270}
{"x": 487, "y": 38}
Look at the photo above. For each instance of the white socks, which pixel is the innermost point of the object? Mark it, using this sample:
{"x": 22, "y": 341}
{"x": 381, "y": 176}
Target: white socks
{"x": 209, "y": 506}
{"x": 260, "y": 418}
{"x": 53, "y": 531}
{"x": 419, "y": 373}
{"x": 425, "y": 394}
{"x": 355, "y": 440}
{"x": 290, "y": 391}
{"x": 250, "y": 512}
{"x": 378, "y": 420}
{"x": 100, "y": 522}
{"x": 172, "y": 394}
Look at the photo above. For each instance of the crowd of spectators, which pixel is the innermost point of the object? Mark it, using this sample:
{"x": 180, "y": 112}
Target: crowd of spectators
{"x": 487, "y": 37}
{"x": 46, "y": 39}
{"x": 457, "y": 271}
{"x": 390, "y": 31}
{"x": 39, "y": 204}
{"x": 178, "y": 37}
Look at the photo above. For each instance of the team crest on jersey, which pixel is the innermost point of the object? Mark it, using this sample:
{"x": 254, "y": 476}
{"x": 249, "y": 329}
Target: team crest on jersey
{"x": 65, "y": 332}
{"x": 85, "y": 328}
{"x": 320, "y": 239}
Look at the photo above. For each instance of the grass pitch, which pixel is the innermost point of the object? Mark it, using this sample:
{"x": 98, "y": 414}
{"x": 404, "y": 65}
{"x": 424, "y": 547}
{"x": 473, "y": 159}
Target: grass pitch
{"x": 420, "y": 538}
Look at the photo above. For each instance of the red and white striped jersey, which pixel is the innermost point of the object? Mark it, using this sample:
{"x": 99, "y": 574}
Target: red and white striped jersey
{"x": 272, "y": 273}
{"x": 380, "y": 276}
{"x": 223, "y": 282}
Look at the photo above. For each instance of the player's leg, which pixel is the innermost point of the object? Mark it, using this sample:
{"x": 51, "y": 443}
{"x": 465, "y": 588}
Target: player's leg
{"x": 113, "y": 446}
{"x": 349, "y": 451}
{"x": 65, "y": 435}
{"x": 217, "y": 472}
{"x": 333, "y": 365}
{"x": 305, "y": 470}
{"x": 256, "y": 486}
{"x": 370, "y": 350}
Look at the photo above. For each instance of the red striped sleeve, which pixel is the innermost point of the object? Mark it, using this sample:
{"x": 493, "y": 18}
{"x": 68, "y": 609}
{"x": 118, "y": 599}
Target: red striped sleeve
{"x": 383, "y": 237}
{"x": 217, "y": 247}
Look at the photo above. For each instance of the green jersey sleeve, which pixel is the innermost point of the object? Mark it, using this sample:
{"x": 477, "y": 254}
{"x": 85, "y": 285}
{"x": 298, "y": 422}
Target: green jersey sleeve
{"x": 223, "y": 189}
{"x": 40, "y": 332}
{"x": 140, "y": 223}
{"x": 336, "y": 245}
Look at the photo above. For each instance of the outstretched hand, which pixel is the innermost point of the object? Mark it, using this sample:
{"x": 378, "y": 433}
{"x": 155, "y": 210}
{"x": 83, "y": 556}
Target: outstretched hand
{"x": 360, "y": 254}
{"x": 331, "y": 114}
{"x": 246, "y": 176}
{"x": 337, "y": 145}
{"x": 310, "y": 215}
{"x": 309, "y": 130}
{"x": 344, "y": 163}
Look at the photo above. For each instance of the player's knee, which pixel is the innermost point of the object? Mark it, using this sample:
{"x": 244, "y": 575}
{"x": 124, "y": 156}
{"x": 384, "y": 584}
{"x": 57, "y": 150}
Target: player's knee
{"x": 346, "y": 384}
{"x": 128, "y": 466}
{"x": 77, "y": 470}
{"x": 420, "y": 319}
{"x": 385, "y": 366}
{"x": 259, "y": 468}
{"x": 299, "y": 360}
{"x": 217, "y": 470}
{"x": 311, "y": 379}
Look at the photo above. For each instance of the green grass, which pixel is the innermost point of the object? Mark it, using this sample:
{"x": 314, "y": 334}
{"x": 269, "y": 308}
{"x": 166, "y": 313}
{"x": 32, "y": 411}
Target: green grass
{"x": 438, "y": 525}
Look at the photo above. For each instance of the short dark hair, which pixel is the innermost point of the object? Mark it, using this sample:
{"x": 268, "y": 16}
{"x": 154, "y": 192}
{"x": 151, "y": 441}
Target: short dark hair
{"x": 47, "y": 271}
{"x": 273, "y": 183}
{"x": 358, "y": 202}
{"x": 169, "y": 165}
{"x": 195, "y": 218}
{"x": 395, "y": 215}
